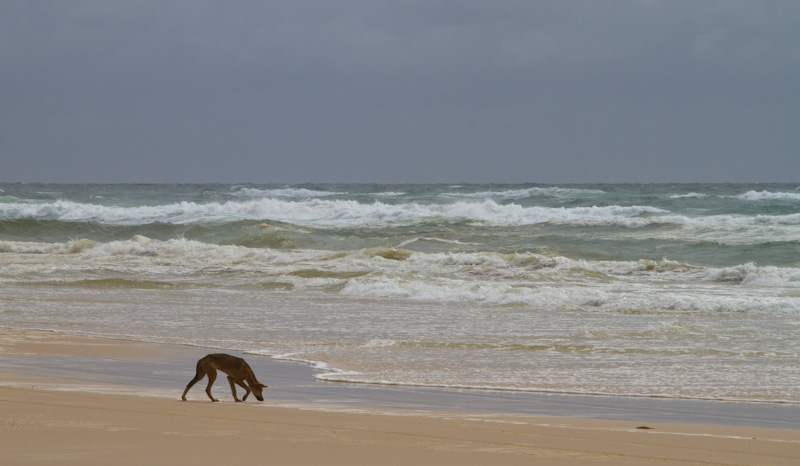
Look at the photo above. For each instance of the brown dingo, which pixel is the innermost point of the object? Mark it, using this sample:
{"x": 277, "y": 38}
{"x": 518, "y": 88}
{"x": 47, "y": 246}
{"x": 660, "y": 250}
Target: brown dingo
{"x": 238, "y": 372}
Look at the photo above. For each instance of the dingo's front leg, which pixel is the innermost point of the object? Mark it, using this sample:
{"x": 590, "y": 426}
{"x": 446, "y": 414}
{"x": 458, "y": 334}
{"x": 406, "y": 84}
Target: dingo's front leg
{"x": 243, "y": 384}
{"x": 231, "y": 380}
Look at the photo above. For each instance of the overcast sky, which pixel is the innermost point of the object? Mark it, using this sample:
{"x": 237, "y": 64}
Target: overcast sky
{"x": 400, "y": 91}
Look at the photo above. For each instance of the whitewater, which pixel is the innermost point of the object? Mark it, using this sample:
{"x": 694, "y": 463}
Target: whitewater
{"x": 688, "y": 291}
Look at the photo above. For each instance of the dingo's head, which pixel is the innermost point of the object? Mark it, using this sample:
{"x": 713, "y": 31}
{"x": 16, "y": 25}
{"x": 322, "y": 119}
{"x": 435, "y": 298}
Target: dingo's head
{"x": 257, "y": 390}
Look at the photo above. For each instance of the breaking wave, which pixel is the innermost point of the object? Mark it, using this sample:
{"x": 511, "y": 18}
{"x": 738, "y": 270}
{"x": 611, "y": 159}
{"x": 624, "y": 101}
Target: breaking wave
{"x": 767, "y": 195}
{"x": 299, "y": 193}
{"x": 528, "y": 192}
{"x": 526, "y": 279}
{"x": 332, "y": 213}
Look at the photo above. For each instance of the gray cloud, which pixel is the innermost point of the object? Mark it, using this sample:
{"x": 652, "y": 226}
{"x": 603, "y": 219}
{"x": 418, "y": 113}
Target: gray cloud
{"x": 544, "y": 91}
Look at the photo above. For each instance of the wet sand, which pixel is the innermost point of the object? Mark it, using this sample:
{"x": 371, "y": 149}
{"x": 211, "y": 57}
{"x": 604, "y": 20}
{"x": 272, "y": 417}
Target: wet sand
{"x": 77, "y": 400}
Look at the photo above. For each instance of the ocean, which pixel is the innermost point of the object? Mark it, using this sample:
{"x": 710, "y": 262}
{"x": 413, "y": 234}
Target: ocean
{"x": 677, "y": 291}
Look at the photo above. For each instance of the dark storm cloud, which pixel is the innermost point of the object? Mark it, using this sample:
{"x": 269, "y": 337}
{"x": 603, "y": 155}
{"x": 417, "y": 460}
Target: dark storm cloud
{"x": 544, "y": 91}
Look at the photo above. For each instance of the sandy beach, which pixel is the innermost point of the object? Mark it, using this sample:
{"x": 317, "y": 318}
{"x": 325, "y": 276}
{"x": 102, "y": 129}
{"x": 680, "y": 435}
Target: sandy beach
{"x": 57, "y": 414}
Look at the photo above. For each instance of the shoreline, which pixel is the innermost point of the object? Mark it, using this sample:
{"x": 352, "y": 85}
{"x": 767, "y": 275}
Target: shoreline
{"x": 321, "y": 374}
{"x": 72, "y": 403}
{"x": 120, "y": 366}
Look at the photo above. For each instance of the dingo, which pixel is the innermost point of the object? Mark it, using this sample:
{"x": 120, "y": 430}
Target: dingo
{"x": 238, "y": 372}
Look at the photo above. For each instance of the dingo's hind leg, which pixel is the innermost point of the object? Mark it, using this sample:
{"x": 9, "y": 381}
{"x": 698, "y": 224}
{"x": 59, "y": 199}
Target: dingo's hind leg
{"x": 212, "y": 376}
{"x": 198, "y": 376}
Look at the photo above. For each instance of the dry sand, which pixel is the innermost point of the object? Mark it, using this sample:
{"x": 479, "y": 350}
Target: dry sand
{"x": 43, "y": 420}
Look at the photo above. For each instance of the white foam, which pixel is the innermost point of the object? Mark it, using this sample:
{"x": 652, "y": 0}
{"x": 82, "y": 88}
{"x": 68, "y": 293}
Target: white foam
{"x": 435, "y": 240}
{"x": 379, "y": 343}
{"x": 767, "y": 195}
{"x": 301, "y": 193}
{"x": 750, "y": 274}
{"x": 730, "y": 229}
{"x": 688, "y": 195}
{"x": 315, "y": 212}
{"x": 325, "y": 212}
{"x": 388, "y": 194}
{"x": 69, "y": 247}
{"x": 451, "y": 277}
{"x": 528, "y": 192}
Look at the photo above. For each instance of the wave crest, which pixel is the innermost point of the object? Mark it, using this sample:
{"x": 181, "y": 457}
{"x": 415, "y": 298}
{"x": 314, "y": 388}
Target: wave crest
{"x": 750, "y": 274}
{"x": 328, "y": 212}
{"x": 767, "y": 195}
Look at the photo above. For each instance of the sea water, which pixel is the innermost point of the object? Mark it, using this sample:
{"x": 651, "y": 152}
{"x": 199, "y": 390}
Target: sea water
{"x": 689, "y": 291}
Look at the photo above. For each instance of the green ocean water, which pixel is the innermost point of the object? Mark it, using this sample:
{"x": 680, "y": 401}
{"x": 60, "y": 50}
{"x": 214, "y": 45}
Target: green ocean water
{"x": 653, "y": 290}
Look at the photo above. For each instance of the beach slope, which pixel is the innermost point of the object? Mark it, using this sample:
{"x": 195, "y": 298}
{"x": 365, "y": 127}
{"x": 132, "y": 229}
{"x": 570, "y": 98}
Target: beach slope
{"x": 71, "y": 428}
